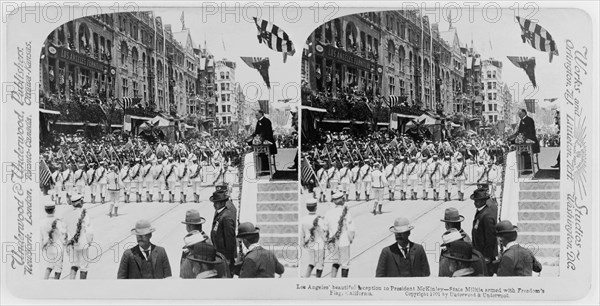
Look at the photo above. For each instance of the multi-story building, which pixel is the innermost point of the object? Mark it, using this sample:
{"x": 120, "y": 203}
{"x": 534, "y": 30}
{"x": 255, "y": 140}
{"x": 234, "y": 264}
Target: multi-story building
{"x": 471, "y": 101}
{"x": 508, "y": 104}
{"x": 205, "y": 85}
{"x": 226, "y": 93}
{"x": 493, "y": 103}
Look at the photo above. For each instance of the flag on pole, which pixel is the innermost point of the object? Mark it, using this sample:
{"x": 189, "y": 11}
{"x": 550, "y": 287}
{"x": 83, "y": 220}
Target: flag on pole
{"x": 261, "y": 64}
{"x": 527, "y": 64}
{"x": 307, "y": 172}
{"x": 45, "y": 175}
{"x": 182, "y": 19}
{"x": 274, "y": 37}
{"x": 530, "y": 105}
{"x": 264, "y": 106}
{"x": 537, "y": 37}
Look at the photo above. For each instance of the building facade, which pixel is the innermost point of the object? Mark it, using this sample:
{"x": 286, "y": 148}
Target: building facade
{"x": 226, "y": 93}
{"x": 493, "y": 103}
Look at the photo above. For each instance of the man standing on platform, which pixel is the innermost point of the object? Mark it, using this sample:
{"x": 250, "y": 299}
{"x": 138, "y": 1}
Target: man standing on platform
{"x": 264, "y": 129}
{"x": 527, "y": 129}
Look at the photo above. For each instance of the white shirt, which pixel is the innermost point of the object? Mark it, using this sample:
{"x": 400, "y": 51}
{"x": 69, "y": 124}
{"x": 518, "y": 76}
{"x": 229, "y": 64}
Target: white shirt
{"x": 481, "y": 208}
{"x": 220, "y": 210}
{"x": 509, "y": 245}
{"x": 402, "y": 251}
{"x": 143, "y": 251}
{"x": 252, "y": 247}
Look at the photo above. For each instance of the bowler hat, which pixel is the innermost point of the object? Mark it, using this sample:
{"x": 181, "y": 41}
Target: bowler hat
{"x": 451, "y": 215}
{"x": 246, "y": 229}
{"x": 204, "y": 253}
{"x": 452, "y": 235}
{"x": 401, "y": 225}
{"x": 504, "y": 227}
{"x": 312, "y": 202}
{"x": 192, "y": 238}
{"x": 219, "y": 196}
{"x": 142, "y": 227}
{"x": 480, "y": 194}
{"x": 192, "y": 216}
{"x": 49, "y": 205}
{"x": 461, "y": 251}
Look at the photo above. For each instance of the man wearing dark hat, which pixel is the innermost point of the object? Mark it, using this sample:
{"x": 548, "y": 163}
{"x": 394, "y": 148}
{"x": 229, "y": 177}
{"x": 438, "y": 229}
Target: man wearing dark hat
{"x": 491, "y": 202}
{"x": 403, "y": 258}
{"x": 79, "y": 237}
{"x": 258, "y": 261}
{"x": 202, "y": 259}
{"x": 193, "y": 222}
{"x": 515, "y": 260}
{"x": 145, "y": 260}
{"x": 453, "y": 219}
{"x": 484, "y": 228}
{"x": 223, "y": 226}
{"x": 461, "y": 259}
{"x": 313, "y": 238}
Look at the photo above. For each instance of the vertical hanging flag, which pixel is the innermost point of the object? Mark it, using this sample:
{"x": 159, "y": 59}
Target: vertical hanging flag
{"x": 264, "y": 106}
{"x": 274, "y": 37}
{"x": 182, "y": 19}
{"x": 530, "y": 105}
{"x": 527, "y": 64}
{"x": 261, "y": 64}
{"x": 45, "y": 175}
{"x": 537, "y": 37}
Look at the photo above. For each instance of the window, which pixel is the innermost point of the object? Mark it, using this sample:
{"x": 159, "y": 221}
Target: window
{"x": 222, "y": 74}
{"x": 489, "y": 74}
{"x": 494, "y": 74}
{"x": 124, "y": 52}
{"x": 227, "y": 75}
{"x": 125, "y": 87}
{"x": 494, "y": 96}
{"x": 223, "y": 108}
{"x": 489, "y": 85}
{"x": 228, "y": 96}
{"x": 489, "y": 107}
{"x": 495, "y": 107}
{"x": 228, "y": 120}
{"x": 491, "y": 118}
{"x": 135, "y": 88}
{"x": 489, "y": 96}
{"x": 229, "y": 108}
{"x": 223, "y": 98}
{"x": 495, "y": 118}
{"x": 222, "y": 86}
{"x": 392, "y": 86}
{"x": 494, "y": 85}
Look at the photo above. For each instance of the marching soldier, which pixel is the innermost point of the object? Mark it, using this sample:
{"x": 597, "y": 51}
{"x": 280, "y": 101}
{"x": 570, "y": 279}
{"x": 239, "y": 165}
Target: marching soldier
{"x": 313, "y": 238}
{"x": 125, "y": 176}
{"x": 57, "y": 178}
{"x": 446, "y": 181}
{"x": 494, "y": 174}
{"x": 147, "y": 178}
{"x": 345, "y": 175}
{"x": 91, "y": 181}
{"x": 101, "y": 181}
{"x": 196, "y": 178}
{"x": 322, "y": 177}
{"x": 413, "y": 177}
{"x": 390, "y": 177}
{"x": 137, "y": 179}
{"x": 481, "y": 173}
{"x": 378, "y": 184}
{"x": 183, "y": 175}
{"x": 114, "y": 186}
{"x": 460, "y": 175}
{"x": 170, "y": 174}
{"x": 338, "y": 223}
{"x": 366, "y": 179}
{"x": 356, "y": 179}
{"x": 401, "y": 177}
{"x": 434, "y": 169}
{"x": 422, "y": 170}
{"x": 80, "y": 179}
{"x": 159, "y": 178}
{"x": 332, "y": 179}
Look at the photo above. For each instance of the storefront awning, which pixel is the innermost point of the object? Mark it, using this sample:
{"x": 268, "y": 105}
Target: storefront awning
{"x": 139, "y": 117}
{"x": 314, "y": 109}
{"x": 47, "y": 111}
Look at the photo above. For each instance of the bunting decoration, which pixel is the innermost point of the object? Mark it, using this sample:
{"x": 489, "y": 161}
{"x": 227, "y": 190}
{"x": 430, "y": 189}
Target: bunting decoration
{"x": 527, "y": 64}
{"x": 537, "y": 37}
{"x": 261, "y": 64}
{"x": 274, "y": 37}
{"x": 530, "y": 105}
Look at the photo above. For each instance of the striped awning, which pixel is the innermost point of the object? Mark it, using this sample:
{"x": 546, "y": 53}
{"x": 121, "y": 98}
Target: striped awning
{"x": 129, "y": 102}
{"x": 394, "y": 100}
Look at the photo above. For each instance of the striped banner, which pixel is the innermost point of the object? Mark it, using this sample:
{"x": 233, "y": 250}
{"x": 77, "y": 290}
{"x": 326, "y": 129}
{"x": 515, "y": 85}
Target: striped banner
{"x": 537, "y": 37}
{"x": 274, "y": 37}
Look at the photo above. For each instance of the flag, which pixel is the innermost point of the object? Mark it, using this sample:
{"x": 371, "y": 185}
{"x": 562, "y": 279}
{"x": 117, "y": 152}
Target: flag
{"x": 264, "y": 106}
{"x": 261, "y": 64}
{"x": 307, "y": 172}
{"x": 274, "y": 37}
{"x": 45, "y": 175}
{"x": 527, "y": 64}
{"x": 530, "y": 105}
{"x": 550, "y": 100}
{"x": 537, "y": 37}
{"x": 182, "y": 19}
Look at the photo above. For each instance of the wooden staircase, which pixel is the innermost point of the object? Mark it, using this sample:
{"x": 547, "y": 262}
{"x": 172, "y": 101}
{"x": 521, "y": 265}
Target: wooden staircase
{"x": 277, "y": 218}
{"x": 539, "y": 222}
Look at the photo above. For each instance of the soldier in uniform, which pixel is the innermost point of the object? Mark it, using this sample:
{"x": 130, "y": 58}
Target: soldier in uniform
{"x": 101, "y": 181}
{"x": 79, "y": 236}
{"x": 345, "y": 175}
{"x": 114, "y": 186}
{"x": 159, "y": 178}
{"x": 322, "y": 178}
{"x": 91, "y": 181}
{"x": 137, "y": 179}
{"x": 196, "y": 178}
{"x": 401, "y": 177}
{"x": 331, "y": 173}
{"x": 313, "y": 237}
{"x": 365, "y": 178}
{"x": 378, "y": 184}
{"x": 183, "y": 176}
{"x": 423, "y": 177}
{"x": 356, "y": 179}
{"x": 147, "y": 177}
{"x": 434, "y": 174}
{"x": 390, "y": 177}
{"x": 80, "y": 179}
{"x": 460, "y": 175}
{"x": 54, "y": 233}
{"x": 339, "y": 225}
{"x": 446, "y": 181}
{"x": 125, "y": 175}
{"x": 57, "y": 178}
{"x": 412, "y": 172}
{"x": 170, "y": 173}
{"x": 481, "y": 172}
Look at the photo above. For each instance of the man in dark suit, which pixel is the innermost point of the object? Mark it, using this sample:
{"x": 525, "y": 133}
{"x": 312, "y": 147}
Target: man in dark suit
{"x": 264, "y": 129}
{"x": 484, "y": 229}
{"x": 222, "y": 233}
{"x": 403, "y": 258}
{"x": 145, "y": 260}
{"x": 527, "y": 129}
{"x": 515, "y": 260}
{"x": 258, "y": 262}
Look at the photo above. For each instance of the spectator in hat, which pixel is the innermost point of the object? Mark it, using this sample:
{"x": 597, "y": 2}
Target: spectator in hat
{"x": 258, "y": 261}
{"x": 79, "y": 236}
{"x": 223, "y": 226}
{"x": 404, "y": 258}
{"x": 202, "y": 259}
{"x": 515, "y": 259}
{"x": 461, "y": 259}
{"x": 484, "y": 228}
{"x": 450, "y": 236}
{"x": 53, "y": 235}
{"x": 491, "y": 201}
{"x": 339, "y": 225}
{"x": 452, "y": 219}
{"x": 145, "y": 260}
{"x": 193, "y": 222}
{"x": 313, "y": 237}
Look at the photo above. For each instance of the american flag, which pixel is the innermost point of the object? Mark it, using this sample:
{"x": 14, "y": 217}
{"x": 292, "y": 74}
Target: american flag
{"x": 527, "y": 64}
{"x": 307, "y": 172}
{"x": 274, "y": 37}
{"x": 45, "y": 175}
{"x": 261, "y": 64}
{"x": 537, "y": 37}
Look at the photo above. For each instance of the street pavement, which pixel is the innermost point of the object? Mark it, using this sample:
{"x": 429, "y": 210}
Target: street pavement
{"x": 372, "y": 231}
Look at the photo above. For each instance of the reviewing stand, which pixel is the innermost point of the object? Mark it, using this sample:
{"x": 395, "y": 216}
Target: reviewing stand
{"x": 261, "y": 156}
{"x": 523, "y": 166}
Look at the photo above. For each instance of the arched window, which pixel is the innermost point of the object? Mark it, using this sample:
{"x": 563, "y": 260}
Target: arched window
{"x": 401, "y": 58}
{"x": 391, "y": 52}
{"x": 124, "y": 53}
{"x": 351, "y": 36}
{"x": 84, "y": 37}
{"x": 134, "y": 59}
